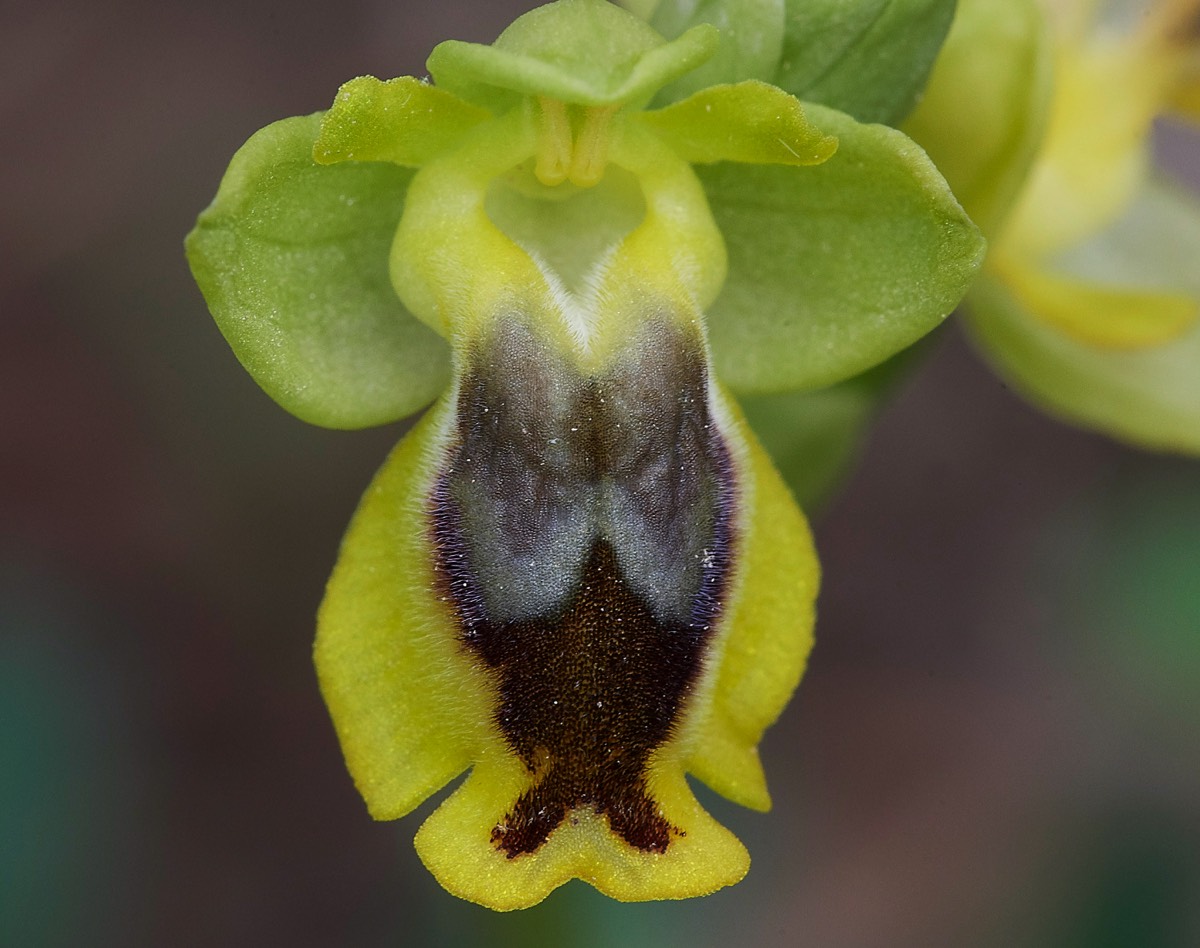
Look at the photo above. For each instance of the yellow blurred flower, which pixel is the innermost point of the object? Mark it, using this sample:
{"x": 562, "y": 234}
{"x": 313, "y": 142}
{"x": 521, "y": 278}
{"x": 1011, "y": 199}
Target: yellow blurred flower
{"x": 1090, "y": 297}
{"x": 1109, "y": 86}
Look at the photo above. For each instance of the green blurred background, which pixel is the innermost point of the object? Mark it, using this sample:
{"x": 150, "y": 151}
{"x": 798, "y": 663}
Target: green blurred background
{"x": 997, "y": 743}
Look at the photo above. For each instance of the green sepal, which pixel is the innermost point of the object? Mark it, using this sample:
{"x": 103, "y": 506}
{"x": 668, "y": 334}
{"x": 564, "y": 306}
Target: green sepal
{"x": 751, "y": 40}
{"x": 404, "y": 121}
{"x": 748, "y": 122}
{"x": 834, "y": 268}
{"x": 1148, "y": 396}
{"x": 292, "y": 258}
{"x": 985, "y": 108}
{"x": 583, "y": 52}
{"x": 869, "y": 58}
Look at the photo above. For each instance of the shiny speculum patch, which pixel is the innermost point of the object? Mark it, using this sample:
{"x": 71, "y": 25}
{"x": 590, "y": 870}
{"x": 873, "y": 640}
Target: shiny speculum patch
{"x": 583, "y": 534}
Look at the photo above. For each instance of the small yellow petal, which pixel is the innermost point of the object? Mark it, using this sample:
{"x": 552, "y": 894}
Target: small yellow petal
{"x": 1106, "y": 317}
{"x": 746, "y": 122}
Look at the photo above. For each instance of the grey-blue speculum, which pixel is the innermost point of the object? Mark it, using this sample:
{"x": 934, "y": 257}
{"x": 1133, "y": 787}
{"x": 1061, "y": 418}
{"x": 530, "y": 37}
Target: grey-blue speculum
{"x": 583, "y": 528}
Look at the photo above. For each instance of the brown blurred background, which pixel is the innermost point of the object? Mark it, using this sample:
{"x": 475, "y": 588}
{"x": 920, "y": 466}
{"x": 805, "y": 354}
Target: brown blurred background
{"x": 997, "y": 743}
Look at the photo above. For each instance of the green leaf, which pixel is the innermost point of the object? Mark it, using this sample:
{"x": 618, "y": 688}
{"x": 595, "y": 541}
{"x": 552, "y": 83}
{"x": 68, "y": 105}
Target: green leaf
{"x": 1148, "y": 396}
{"x": 751, "y": 40}
{"x": 747, "y": 122}
{"x": 869, "y": 58}
{"x": 985, "y": 108}
{"x": 585, "y": 52}
{"x": 404, "y": 121}
{"x": 834, "y": 268}
{"x": 292, "y": 258}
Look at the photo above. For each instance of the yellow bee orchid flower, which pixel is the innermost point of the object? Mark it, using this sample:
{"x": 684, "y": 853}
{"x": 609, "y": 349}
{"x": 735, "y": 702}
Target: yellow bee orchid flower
{"x": 578, "y": 577}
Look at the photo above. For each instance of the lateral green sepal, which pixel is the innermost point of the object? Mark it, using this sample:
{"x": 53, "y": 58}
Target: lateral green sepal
{"x": 834, "y": 268}
{"x": 751, "y": 40}
{"x": 404, "y": 121}
{"x": 292, "y": 259}
{"x": 748, "y": 122}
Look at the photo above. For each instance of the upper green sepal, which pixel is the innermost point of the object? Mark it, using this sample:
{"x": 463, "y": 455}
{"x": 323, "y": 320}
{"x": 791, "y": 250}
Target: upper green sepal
{"x": 292, "y": 259}
{"x": 404, "y": 121}
{"x": 749, "y": 122}
{"x": 582, "y": 52}
{"x": 751, "y": 40}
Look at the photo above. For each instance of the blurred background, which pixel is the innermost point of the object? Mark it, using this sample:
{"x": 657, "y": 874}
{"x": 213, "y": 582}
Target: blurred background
{"x": 997, "y": 742}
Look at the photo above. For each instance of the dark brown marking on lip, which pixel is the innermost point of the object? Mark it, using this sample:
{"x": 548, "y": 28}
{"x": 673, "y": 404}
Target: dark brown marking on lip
{"x": 583, "y": 535}
{"x": 584, "y": 698}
